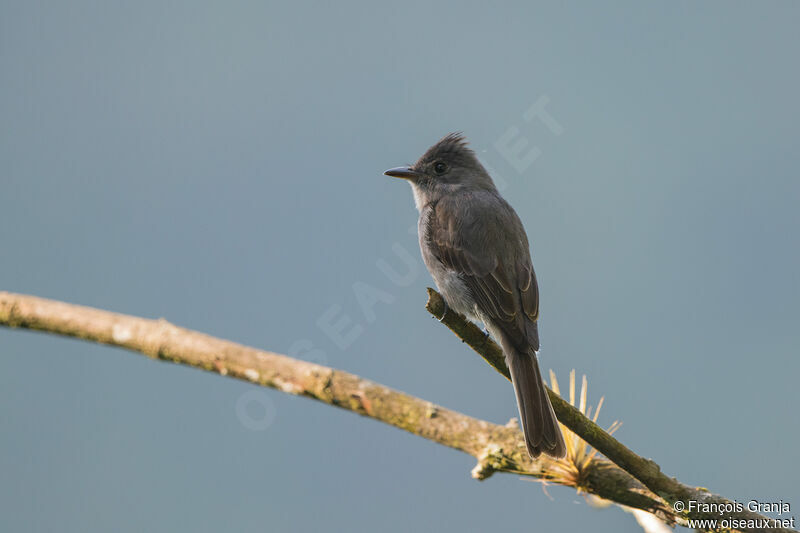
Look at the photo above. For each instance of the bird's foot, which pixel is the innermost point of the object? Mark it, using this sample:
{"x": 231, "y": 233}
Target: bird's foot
{"x": 444, "y": 313}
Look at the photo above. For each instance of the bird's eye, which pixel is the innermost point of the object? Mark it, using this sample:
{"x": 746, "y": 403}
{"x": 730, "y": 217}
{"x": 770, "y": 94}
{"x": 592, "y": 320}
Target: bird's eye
{"x": 439, "y": 167}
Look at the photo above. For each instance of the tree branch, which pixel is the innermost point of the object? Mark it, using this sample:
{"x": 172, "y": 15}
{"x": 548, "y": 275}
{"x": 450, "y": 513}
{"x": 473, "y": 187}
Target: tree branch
{"x": 644, "y": 470}
{"x": 497, "y": 448}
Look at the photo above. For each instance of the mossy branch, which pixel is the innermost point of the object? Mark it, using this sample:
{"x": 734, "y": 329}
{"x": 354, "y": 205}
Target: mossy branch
{"x": 644, "y": 470}
{"x": 497, "y": 448}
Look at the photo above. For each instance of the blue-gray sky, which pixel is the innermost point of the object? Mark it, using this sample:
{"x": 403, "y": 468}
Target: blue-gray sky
{"x": 219, "y": 165}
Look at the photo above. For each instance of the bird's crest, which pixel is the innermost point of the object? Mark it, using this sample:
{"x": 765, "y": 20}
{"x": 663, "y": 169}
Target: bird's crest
{"x": 453, "y": 144}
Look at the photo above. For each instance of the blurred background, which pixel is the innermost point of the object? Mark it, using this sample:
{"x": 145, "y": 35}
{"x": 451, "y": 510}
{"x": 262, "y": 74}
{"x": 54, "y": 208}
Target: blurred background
{"x": 219, "y": 165}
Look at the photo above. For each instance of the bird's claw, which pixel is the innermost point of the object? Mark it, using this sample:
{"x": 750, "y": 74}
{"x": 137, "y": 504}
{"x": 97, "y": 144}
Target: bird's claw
{"x": 444, "y": 313}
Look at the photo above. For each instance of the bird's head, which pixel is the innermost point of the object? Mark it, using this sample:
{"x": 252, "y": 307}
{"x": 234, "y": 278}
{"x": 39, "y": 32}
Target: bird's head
{"x": 447, "y": 166}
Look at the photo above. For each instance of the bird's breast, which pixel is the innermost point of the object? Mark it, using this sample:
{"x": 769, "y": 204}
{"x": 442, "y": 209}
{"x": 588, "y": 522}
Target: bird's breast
{"x": 449, "y": 282}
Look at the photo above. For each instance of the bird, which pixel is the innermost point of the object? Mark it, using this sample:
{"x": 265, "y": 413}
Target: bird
{"x": 476, "y": 249}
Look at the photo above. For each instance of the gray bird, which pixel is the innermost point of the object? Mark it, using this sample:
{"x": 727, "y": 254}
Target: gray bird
{"x": 476, "y": 249}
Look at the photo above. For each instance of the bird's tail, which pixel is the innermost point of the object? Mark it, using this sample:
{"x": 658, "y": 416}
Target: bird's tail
{"x": 539, "y": 423}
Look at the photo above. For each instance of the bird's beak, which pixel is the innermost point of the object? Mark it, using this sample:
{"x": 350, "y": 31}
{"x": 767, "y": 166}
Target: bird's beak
{"x": 402, "y": 172}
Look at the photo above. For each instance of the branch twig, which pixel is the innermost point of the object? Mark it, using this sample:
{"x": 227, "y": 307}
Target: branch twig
{"x": 497, "y": 448}
{"x": 644, "y": 470}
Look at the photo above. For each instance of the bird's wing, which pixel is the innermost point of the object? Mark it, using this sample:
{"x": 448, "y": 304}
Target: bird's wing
{"x": 482, "y": 239}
